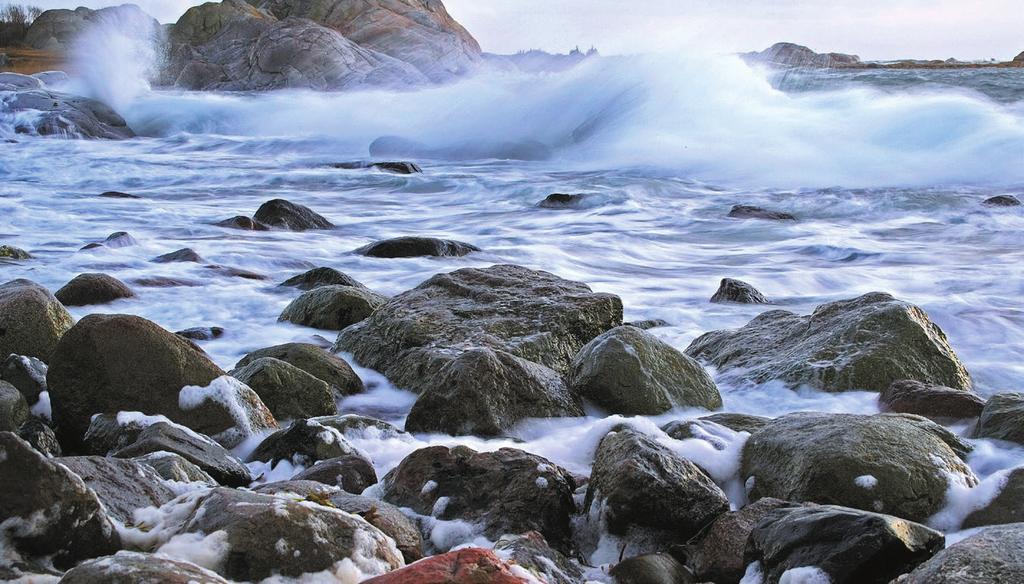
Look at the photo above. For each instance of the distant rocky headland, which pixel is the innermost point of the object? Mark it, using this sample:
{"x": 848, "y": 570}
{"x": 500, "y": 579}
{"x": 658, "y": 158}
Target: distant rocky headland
{"x": 790, "y": 55}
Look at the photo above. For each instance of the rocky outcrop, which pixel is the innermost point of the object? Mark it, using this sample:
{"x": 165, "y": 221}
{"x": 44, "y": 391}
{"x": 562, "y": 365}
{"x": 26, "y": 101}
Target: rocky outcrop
{"x": 32, "y": 321}
{"x": 135, "y": 568}
{"x": 790, "y": 55}
{"x": 1002, "y": 418}
{"x": 87, "y": 289}
{"x": 865, "y": 343}
{"x": 288, "y": 392}
{"x": 333, "y": 370}
{"x": 52, "y": 113}
{"x": 738, "y": 292}
{"x": 59, "y": 30}
{"x": 993, "y": 555}
{"x": 412, "y": 247}
{"x": 332, "y": 307}
{"x": 931, "y": 401}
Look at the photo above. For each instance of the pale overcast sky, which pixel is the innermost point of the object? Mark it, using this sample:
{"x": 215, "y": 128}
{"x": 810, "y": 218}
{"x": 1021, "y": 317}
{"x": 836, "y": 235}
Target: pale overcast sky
{"x": 874, "y": 29}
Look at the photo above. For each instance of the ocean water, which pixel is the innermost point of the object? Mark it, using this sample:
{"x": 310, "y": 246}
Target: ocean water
{"x": 886, "y": 172}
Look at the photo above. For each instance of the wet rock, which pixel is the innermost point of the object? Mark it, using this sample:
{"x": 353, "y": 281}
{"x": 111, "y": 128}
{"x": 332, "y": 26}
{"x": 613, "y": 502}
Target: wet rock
{"x": 352, "y": 473}
{"x": 464, "y": 566}
{"x": 1002, "y": 418}
{"x": 1006, "y": 507}
{"x": 485, "y": 393}
{"x": 659, "y": 568}
{"x": 287, "y": 215}
{"x": 115, "y": 240}
{"x": 532, "y": 315}
{"x": 113, "y": 363}
{"x": 321, "y": 277}
{"x": 14, "y": 410}
{"x": 413, "y": 247}
{"x": 888, "y": 463}
{"x": 121, "y": 485}
{"x": 58, "y": 30}
{"x": 165, "y": 282}
{"x": 231, "y": 272}
{"x": 392, "y": 167}
{"x": 40, "y": 436}
{"x": 471, "y": 150}
{"x": 268, "y": 535}
{"x": 360, "y": 426}
{"x": 532, "y": 552}
{"x": 313, "y": 491}
{"x": 995, "y": 555}
{"x": 109, "y": 432}
{"x": 739, "y": 292}
{"x": 48, "y": 510}
{"x": 242, "y": 222}
{"x": 1002, "y": 201}
{"x": 174, "y": 467}
{"x": 787, "y": 55}
{"x": 646, "y": 325}
{"x": 304, "y": 442}
{"x": 88, "y": 289}
{"x": 32, "y": 321}
{"x": 865, "y": 343}
{"x": 639, "y": 485}
{"x": 9, "y": 252}
{"x": 183, "y": 255}
{"x": 202, "y": 333}
{"x": 137, "y": 568}
{"x": 26, "y": 374}
{"x": 704, "y": 427}
{"x": 719, "y": 554}
{"x": 331, "y": 369}
{"x": 931, "y": 401}
{"x": 387, "y": 518}
{"x": 118, "y": 195}
{"x": 563, "y": 201}
{"x": 210, "y": 457}
{"x": 52, "y": 113}
{"x": 506, "y": 491}
{"x": 850, "y": 546}
{"x": 752, "y": 212}
{"x": 288, "y": 392}
{"x": 332, "y": 307}
{"x": 629, "y": 371}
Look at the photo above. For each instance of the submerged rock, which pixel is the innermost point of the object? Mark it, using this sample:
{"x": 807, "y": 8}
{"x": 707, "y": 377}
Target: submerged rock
{"x": 993, "y": 555}
{"x": 563, "y": 201}
{"x": 331, "y": 369}
{"x": 117, "y": 195}
{"x": 751, "y": 212}
{"x": 1002, "y": 418}
{"x": 287, "y": 215}
{"x": 242, "y": 222}
{"x": 865, "y": 343}
{"x": 704, "y": 427}
{"x": 210, "y": 457}
{"x": 332, "y": 307}
{"x": 288, "y": 392}
{"x": 463, "y": 566}
{"x": 121, "y": 485}
{"x": 318, "y": 277}
{"x": 1002, "y": 201}
{"x": 412, "y": 247}
{"x": 931, "y": 401}
{"x": 646, "y": 325}
{"x": 87, "y": 289}
{"x": 739, "y": 292}
{"x": 32, "y": 321}
{"x": 127, "y": 567}
{"x": 392, "y": 167}
{"x": 182, "y": 255}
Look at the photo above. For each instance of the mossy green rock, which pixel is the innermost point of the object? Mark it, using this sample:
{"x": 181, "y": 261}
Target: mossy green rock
{"x": 314, "y": 360}
{"x": 332, "y": 307}
{"x": 865, "y": 343}
{"x": 9, "y": 252}
{"x": 288, "y": 392}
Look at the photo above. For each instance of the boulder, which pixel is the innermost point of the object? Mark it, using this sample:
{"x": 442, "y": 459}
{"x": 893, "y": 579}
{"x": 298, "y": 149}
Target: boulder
{"x": 331, "y": 369}
{"x": 40, "y": 436}
{"x": 790, "y": 55}
{"x": 850, "y": 546}
{"x": 183, "y": 255}
{"x": 865, "y": 343}
{"x": 137, "y": 568}
{"x": 287, "y": 215}
{"x": 704, "y": 427}
{"x": 412, "y": 247}
{"x": 51, "y": 113}
{"x": 995, "y": 555}
{"x": 632, "y": 372}
{"x": 117, "y": 195}
{"x": 26, "y": 374}
{"x": 738, "y": 292}
{"x": 897, "y": 464}
{"x": 639, "y": 486}
{"x": 121, "y": 485}
{"x": 174, "y": 467}
{"x": 321, "y": 277}
{"x": 332, "y": 307}
{"x": 14, "y": 410}
{"x": 505, "y": 491}
{"x": 87, "y": 289}
{"x": 113, "y": 363}
{"x": 242, "y": 222}
{"x": 32, "y": 321}
{"x": 351, "y": 473}
{"x": 210, "y": 457}
{"x": 1006, "y": 507}
{"x": 9, "y": 252}
{"x": 463, "y": 566}
{"x": 59, "y": 30}
{"x": 288, "y": 392}
{"x": 532, "y": 552}
{"x": 564, "y": 201}
{"x": 483, "y": 392}
{"x": 1002, "y": 201}
{"x": 718, "y": 555}
{"x": 752, "y": 212}
{"x": 1002, "y": 418}
{"x": 533, "y": 315}
{"x": 387, "y": 518}
{"x": 659, "y": 568}
{"x": 203, "y": 333}
{"x": 303, "y": 442}
{"x": 47, "y": 510}
{"x": 931, "y": 401}
{"x": 120, "y": 239}
{"x": 646, "y": 325}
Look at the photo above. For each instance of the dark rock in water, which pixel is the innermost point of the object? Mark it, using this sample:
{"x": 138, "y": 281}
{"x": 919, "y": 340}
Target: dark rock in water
{"x": 137, "y": 568}
{"x": 464, "y": 566}
{"x": 109, "y": 432}
{"x": 1002, "y": 418}
{"x": 351, "y": 473}
{"x": 321, "y": 277}
{"x": 751, "y": 212}
{"x": 32, "y": 321}
{"x": 88, "y": 289}
{"x": 310, "y": 490}
{"x": 1002, "y": 201}
{"x": 659, "y": 568}
{"x": 995, "y": 555}
{"x": 52, "y": 113}
{"x": 331, "y": 369}
{"x": 413, "y": 247}
{"x": 174, "y": 467}
{"x": 201, "y": 451}
{"x": 287, "y": 215}
{"x": 121, "y": 485}
{"x": 1006, "y": 507}
{"x": 629, "y": 371}
{"x": 704, "y": 427}
{"x": 237, "y": 273}
{"x": 14, "y": 410}
{"x": 164, "y": 282}
{"x": 359, "y": 425}
{"x": 387, "y": 518}
{"x": 288, "y": 392}
{"x": 483, "y": 392}
{"x": 393, "y": 167}
{"x": 118, "y": 195}
{"x": 40, "y": 436}
{"x": 931, "y": 401}
{"x": 304, "y": 442}
{"x": 865, "y": 343}
{"x": 242, "y": 222}
{"x": 646, "y": 325}
{"x": 792, "y": 55}
{"x": 270, "y": 535}
{"x": 505, "y": 491}
{"x": 203, "y": 333}
{"x": 850, "y": 546}
{"x": 639, "y": 486}
{"x": 563, "y": 200}
{"x": 48, "y": 510}
{"x": 332, "y": 307}
{"x": 9, "y": 252}
{"x": 120, "y": 239}
{"x": 888, "y": 463}
{"x": 182, "y": 255}
{"x": 113, "y": 363}
{"x": 26, "y": 374}
{"x": 739, "y": 292}
{"x": 718, "y": 556}
{"x": 393, "y": 146}
{"x": 531, "y": 551}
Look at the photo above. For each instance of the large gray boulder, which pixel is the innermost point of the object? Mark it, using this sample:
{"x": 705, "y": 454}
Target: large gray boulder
{"x": 288, "y": 392}
{"x": 331, "y": 369}
{"x": 123, "y": 486}
{"x": 65, "y": 116}
{"x": 993, "y": 556}
{"x": 1002, "y": 418}
{"x": 32, "y": 321}
{"x": 332, "y": 307}
{"x": 632, "y": 372}
{"x": 533, "y": 315}
{"x": 138, "y": 568}
{"x": 865, "y": 343}
{"x": 58, "y": 30}
{"x": 888, "y": 463}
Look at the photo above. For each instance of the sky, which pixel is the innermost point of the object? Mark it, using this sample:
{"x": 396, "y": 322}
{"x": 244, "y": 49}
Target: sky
{"x": 873, "y": 29}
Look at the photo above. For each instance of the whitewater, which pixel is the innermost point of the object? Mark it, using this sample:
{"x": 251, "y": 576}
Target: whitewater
{"x": 885, "y": 170}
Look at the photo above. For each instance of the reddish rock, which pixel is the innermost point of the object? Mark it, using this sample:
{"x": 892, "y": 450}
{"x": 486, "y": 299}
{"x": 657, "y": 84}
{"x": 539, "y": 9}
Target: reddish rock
{"x": 465, "y": 566}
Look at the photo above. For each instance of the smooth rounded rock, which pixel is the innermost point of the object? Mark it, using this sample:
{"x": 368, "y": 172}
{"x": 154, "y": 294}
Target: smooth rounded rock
{"x": 88, "y": 289}
{"x": 32, "y": 320}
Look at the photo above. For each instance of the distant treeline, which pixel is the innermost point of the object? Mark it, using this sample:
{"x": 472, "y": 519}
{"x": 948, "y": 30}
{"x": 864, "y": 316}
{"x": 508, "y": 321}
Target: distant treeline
{"x": 14, "y": 22}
